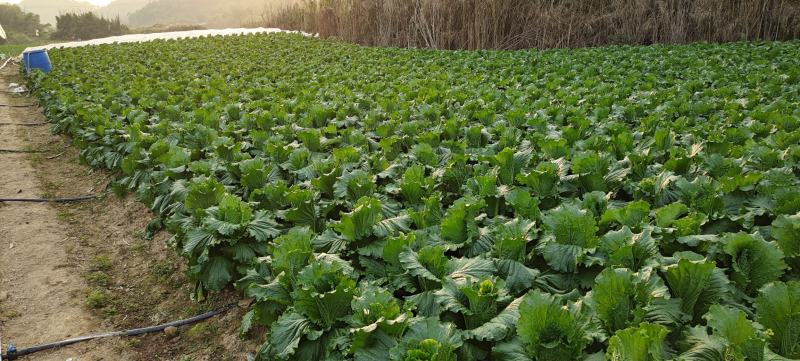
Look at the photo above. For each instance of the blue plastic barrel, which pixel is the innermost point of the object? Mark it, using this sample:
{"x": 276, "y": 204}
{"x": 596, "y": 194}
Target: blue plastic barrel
{"x": 37, "y": 59}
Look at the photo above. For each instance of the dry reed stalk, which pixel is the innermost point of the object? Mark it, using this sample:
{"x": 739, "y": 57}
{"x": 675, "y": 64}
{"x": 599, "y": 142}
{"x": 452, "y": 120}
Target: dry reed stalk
{"x": 516, "y": 24}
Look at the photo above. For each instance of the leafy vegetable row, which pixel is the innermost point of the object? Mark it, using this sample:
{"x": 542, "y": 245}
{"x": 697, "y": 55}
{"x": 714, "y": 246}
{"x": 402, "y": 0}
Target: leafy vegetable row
{"x": 626, "y": 203}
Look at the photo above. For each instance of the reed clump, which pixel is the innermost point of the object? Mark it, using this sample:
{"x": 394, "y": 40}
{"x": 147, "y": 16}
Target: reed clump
{"x": 516, "y": 24}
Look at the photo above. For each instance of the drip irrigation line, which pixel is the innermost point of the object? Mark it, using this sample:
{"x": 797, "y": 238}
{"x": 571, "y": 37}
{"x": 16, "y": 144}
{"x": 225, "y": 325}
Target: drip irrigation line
{"x": 13, "y": 355}
{"x": 48, "y": 200}
{"x": 20, "y": 151}
{"x": 18, "y": 105}
{"x": 26, "y": 124}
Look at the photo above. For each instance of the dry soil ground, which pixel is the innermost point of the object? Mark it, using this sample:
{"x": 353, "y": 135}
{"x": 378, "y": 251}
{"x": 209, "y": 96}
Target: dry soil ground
{"x": 40, "y": 286}
{"x": 80, "y": 268}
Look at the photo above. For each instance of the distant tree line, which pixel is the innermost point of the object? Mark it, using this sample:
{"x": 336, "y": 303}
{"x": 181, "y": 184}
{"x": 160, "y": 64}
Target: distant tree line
{"x": 86, "y": 26}
{"x": 20, "y": 26}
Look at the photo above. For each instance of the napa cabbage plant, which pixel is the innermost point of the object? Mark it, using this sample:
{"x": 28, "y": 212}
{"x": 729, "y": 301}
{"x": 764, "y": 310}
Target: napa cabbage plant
{"x": 622, "y": 299}
{"x": 427, "y": 339}
{"x": 313, "y": 324}
{"x": 379, "y": 321}
{"x": 220, "y": 233}
{"x": 482, "y": 309}
{"x": 570, "y": 235}
{"x": 754, "y": 261}
{"x": 429, "y": 268}
{"x": 777, "y": 309}
{"x": 786, "y": 232}
{"x": 623, "y": 248}
{"x": 698, "y": 283}
{"x": 548, "y": 329}
{"x": 732, "y": 337}
{"x": 458, "y": 226}
{"x": 645, "y": 342}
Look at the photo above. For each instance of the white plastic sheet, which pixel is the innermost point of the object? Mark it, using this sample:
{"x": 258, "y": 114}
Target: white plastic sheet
{"x": 138, "y": 38}
{"x": 16, "y": 88}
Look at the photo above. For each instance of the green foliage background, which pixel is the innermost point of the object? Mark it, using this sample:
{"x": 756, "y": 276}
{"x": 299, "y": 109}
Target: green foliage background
{"x": 20, "y": 26}
{"x": 85, "y": 26}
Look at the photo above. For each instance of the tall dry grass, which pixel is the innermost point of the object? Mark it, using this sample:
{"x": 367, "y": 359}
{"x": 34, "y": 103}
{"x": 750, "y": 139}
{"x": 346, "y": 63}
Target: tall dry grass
{"x": 515, "y": 24}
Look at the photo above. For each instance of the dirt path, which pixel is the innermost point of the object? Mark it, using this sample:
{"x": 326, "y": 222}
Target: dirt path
{"x": 42, "y": 294}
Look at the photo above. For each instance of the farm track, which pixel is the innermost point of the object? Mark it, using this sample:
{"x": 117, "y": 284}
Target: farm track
{"x": 41, "y": 298}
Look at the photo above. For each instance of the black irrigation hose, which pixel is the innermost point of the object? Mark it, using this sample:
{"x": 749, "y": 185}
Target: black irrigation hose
{"x": 48, "y": 200}
{"x": 26, "y": 124}
{"x": 20, "y": 151}
{"x": 134, "y": 332}
{"x": 18, "y": 105}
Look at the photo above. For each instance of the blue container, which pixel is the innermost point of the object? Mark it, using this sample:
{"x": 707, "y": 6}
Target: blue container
{"x": 37, "y": 59}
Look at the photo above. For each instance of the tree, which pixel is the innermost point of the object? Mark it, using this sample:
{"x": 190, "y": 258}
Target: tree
{"x": 73, "y": 26}
{"x": 20, "y": 26}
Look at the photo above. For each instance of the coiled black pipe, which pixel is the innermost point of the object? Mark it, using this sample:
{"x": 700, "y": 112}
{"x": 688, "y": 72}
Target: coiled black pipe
{"x": 133, "y": 332}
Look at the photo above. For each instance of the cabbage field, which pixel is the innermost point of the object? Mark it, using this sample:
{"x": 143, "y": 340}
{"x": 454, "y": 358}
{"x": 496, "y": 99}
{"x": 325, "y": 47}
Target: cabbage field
{"x": 620, "y": 203}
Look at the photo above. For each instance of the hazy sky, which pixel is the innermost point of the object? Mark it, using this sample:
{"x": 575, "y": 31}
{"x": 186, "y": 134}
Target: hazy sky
{"x": 95, "y": 2}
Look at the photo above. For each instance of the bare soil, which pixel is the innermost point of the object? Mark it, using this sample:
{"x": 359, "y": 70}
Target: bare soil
{"x": 40, "y": 289}
{"x": 80, "y": 268}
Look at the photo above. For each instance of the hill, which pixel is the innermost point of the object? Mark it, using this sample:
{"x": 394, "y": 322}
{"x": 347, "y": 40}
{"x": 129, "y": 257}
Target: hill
{"x": 49, "y": 9}
{"x": 210, "y": 13}
{"x": 146, "y": 13}
{"x": 122, "y": 8}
